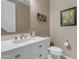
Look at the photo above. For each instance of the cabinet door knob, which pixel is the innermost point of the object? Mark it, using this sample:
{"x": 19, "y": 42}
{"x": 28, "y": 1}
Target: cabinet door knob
{"x": 17, "y": 56}
{"x": 40, "y": 45}
{"x": 40, "y": 55}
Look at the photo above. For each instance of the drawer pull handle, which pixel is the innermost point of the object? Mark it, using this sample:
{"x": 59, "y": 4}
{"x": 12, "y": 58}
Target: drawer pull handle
{"x": 17, "y": 56}
{"x": 40, "y": 55}
{"x": 40, "y": 46}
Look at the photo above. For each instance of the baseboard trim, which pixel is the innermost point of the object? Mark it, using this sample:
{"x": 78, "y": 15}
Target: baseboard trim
{"x": 67, "y": 57}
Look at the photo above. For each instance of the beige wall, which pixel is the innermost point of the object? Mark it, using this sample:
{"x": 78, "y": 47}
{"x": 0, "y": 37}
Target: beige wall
{"x": 39, "y": 6}
{"x": 60, "y": 34}
{"x": 22, "y": 18}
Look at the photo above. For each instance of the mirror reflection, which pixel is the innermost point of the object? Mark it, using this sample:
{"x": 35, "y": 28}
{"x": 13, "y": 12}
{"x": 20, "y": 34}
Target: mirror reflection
{"x": 15, "y": 16}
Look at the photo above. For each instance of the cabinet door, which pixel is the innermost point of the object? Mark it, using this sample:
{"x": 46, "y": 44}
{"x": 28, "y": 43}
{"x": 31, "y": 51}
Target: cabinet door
{"x": 39, "y": 46}
{"x": 40, "y": 55}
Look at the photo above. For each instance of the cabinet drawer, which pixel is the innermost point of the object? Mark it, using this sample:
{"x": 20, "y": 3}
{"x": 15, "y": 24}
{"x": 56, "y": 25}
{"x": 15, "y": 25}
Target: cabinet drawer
{"x": 19, "y": 53}
{"x": 18, "y": 56}
{"x": 40, "y": 55}
{"x": 40, "y": 45}
{"x": 14, "y": 55}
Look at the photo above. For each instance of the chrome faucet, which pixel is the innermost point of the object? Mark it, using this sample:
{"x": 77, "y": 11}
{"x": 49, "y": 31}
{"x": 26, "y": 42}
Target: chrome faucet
{"x": 22, "y": 36}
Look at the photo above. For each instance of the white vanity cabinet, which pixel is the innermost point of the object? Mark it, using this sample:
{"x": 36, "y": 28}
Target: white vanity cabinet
{"x": 35, "y": 50}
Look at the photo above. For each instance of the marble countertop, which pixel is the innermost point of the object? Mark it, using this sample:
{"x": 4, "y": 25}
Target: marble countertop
{"x": 9, "y": 45}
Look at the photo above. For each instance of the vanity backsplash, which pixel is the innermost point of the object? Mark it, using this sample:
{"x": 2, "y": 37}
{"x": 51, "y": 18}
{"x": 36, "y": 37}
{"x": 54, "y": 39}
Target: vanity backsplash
{"x": 16, "y": 36}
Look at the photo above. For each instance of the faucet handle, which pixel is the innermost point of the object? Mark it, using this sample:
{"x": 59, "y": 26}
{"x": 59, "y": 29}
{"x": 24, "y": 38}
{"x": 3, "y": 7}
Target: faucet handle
{"x": 22, "y": 36}
{"x": 15, "y": 37}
